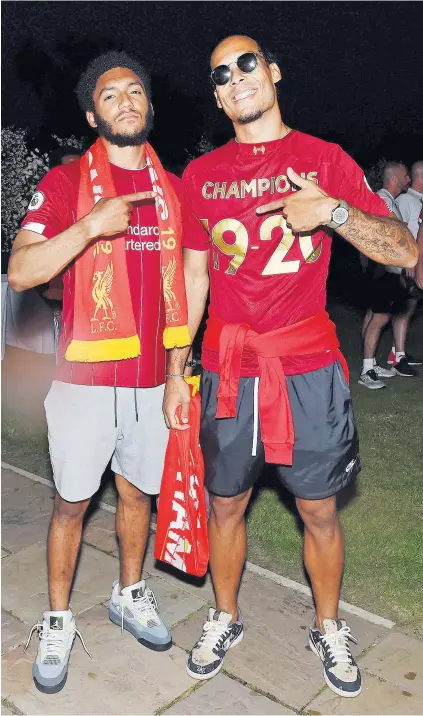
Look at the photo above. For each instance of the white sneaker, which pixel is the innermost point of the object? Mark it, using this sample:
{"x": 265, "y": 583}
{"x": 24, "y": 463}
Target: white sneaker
{"x": 57, "y": 634}
{"x": 370, "y": 380}
{"x": 135, "y": 609}
{"x": 382, "y": 372}
{"x": 220, "y": 633}
{"x": 340, "y": 670}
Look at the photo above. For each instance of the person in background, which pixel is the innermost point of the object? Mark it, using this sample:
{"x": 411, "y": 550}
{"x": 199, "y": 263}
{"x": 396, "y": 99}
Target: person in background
{"x": 388, "y": 295}
{"x": 410, "y": 205}
{"x": 419, "y": 267}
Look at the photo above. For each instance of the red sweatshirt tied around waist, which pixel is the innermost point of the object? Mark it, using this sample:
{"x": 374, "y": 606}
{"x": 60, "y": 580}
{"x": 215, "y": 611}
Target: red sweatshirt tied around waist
{"x": 313, "y": 335}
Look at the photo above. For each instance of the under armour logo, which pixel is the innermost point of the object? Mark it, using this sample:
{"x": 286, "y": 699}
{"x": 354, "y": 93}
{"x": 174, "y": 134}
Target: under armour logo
{"x": 261, "y": 149}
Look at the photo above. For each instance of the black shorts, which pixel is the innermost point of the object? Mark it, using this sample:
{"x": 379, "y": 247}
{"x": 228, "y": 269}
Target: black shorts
{"x": 388, "y": 295}
{"x": 325, "y": 455}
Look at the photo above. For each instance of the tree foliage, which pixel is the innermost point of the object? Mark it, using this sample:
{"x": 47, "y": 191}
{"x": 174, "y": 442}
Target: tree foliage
{"x": 22, "y": 169}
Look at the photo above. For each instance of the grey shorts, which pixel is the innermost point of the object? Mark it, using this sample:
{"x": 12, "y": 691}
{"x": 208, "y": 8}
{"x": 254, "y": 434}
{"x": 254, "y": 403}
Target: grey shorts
{"x": 325, "y": 455}
{"x": 83, "y": 437}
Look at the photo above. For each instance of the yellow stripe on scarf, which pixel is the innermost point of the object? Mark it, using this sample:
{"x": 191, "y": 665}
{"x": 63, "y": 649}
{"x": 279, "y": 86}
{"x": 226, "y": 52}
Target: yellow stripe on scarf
{"x": 176, "y": 337}
{"x": 107, "y": 349}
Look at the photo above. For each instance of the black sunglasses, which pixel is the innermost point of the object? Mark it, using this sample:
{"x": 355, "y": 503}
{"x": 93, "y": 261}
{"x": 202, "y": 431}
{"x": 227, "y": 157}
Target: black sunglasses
{"x": 246, "y": 63}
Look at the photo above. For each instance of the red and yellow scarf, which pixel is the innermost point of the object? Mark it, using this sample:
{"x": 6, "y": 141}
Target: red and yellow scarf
{"x": 104, "y": 325}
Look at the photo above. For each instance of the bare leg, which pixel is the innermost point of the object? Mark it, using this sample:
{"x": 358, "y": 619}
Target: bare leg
{"x": 132, "y": 526}
{"x": 366, "y": 321}
{"x": 323, "y": 554}
{"x": 372, "y": 333}
{"x": 64, "y": 541}
{"x": 400, "y": 325}
{"x": 228, "y": 548}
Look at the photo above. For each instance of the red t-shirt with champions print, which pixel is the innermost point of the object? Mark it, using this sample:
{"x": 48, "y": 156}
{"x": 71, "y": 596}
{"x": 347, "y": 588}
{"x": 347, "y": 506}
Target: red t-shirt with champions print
{"x": 261, "y": 273}
{"x": 52, "y": 210}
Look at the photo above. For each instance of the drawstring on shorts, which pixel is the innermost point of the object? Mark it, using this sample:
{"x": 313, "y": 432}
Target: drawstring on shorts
{"x": 115, "y": 405}
{"x": 136, "y": 404}
{"x": 255, "y": 417}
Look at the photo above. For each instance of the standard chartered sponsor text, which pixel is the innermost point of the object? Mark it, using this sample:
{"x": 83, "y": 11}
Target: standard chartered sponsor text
{"x": 134, "y": 245}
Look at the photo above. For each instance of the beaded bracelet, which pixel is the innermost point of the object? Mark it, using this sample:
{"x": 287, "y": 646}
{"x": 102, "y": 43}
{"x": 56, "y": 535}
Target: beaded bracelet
{"x": 174, "y": 375}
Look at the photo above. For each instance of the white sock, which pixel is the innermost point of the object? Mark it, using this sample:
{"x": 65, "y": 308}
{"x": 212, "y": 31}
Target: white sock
{"x": 393, "y": 348}
{"x": 368, "y": 364}
{"x": 399, "y": 355}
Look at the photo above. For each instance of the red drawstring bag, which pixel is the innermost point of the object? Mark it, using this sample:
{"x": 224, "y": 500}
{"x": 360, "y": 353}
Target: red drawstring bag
{"x": 181, "y": 534}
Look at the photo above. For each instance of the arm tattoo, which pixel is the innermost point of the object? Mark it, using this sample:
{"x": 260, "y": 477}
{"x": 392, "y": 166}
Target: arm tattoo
{"x": 176, "y": 359}
{"x": 381, "y": 238}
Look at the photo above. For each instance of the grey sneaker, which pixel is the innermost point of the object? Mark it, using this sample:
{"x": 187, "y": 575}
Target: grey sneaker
{"x": 57, "y": 634}
{"x": 382, "y": 372}
{"x": 371, "y": 380}
{"x": 220, "y": 633}
{"x": 135, "y": 609}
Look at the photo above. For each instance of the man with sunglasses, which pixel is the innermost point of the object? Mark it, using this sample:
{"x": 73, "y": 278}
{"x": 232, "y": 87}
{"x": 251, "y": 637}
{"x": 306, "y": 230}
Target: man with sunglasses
{"x": 258, "y": 217}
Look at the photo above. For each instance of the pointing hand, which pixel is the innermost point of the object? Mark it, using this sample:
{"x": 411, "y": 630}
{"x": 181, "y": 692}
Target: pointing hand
{"x": 306, "y": 209}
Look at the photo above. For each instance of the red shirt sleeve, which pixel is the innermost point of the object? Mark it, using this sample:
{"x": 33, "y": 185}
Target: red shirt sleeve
{"x": 52, "y": 208}
{"x": 194, "y": 235}
{"x": 347, "y": 182}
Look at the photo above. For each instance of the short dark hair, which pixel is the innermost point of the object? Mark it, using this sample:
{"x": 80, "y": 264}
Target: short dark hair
{"x": 267, "y": 55}
{"x": 98, "y": 66}
{"x": 389, "y": 166}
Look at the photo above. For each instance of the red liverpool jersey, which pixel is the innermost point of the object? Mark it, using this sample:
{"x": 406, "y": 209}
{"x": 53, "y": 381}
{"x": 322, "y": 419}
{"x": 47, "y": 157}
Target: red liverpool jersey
{"x": 52, "y": 210}
{"x": 261, "y": 273}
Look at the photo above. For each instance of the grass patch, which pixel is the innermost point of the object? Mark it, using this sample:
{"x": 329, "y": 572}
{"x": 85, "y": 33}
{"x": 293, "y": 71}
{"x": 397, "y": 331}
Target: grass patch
{"x": 383, "y": 521}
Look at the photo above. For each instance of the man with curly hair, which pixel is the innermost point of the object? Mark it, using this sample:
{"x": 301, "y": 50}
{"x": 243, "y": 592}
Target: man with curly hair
{"x": 95, "y": 223}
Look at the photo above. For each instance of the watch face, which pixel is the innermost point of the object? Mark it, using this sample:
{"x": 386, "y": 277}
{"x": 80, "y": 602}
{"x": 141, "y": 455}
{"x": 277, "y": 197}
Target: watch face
{"x": 340, "y": 215}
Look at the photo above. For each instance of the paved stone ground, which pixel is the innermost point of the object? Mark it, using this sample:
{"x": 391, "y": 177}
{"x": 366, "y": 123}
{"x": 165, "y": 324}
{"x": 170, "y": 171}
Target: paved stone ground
{"x": 271, "y": 672}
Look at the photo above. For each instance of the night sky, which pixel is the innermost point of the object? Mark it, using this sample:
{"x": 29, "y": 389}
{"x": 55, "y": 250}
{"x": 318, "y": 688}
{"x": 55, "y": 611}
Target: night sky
{"x": 352, "y": 70}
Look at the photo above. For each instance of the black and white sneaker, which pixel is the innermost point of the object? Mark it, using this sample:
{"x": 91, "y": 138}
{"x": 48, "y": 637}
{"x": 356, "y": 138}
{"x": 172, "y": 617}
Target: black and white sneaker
{"x": 404, "y": 369}
{"x": 412, "y": 360}
{"x": 370, "y": 380}
{"x": 341, "y": 673}
{"x": 220, "y": 633}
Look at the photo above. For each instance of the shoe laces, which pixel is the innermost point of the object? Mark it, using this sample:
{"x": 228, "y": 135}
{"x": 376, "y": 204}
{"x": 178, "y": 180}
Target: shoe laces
{"x": 54, "y": 641}
{"x": 338, "y": 647}
{"x": 145, "y": 607}
{"x": 213, "y": 634}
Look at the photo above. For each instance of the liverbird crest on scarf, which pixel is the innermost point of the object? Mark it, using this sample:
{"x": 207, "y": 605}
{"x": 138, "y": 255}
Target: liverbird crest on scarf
{"x": 104, "y": 325}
